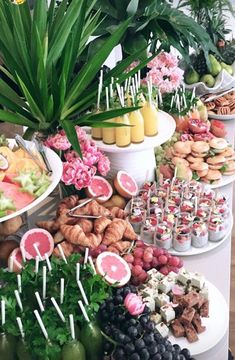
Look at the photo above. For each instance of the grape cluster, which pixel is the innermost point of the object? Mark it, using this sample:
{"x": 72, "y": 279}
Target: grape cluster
{"x": 145, "y": 257}
{"x": 135, "y": 338}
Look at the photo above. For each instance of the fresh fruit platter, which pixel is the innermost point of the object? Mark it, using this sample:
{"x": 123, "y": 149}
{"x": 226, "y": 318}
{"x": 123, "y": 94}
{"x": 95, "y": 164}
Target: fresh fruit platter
{"x": 200, "y": 152}
{"x": 83, "y": 308}
{"x": 24, "y": 181}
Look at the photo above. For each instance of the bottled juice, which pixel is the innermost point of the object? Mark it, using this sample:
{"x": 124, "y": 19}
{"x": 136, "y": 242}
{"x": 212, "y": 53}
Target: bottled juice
{"x": 96, "y": 133}
{"x": 150, "y": 115}
{"x": 137, "y": 131}
{"x": 123, "y": 133}
{"x": 108, "y": 134}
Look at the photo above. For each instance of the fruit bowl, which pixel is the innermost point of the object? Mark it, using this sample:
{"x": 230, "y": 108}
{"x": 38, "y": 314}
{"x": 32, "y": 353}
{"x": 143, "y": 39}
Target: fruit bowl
{"x": 56, "y": 166}
{"x": 224, "y": 81}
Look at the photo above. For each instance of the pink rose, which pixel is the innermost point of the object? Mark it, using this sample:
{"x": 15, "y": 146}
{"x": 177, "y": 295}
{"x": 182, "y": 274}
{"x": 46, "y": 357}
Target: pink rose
{"x": 103, "y": 165}
{"x": 69, "y": 172}
{"x": 134, "y": 304}
{"x": 59, "y": 142}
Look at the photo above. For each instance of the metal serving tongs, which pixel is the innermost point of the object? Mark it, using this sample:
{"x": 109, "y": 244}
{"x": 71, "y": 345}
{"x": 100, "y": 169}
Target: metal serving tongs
{"x": 41, "y": 151}
{"x": 218, "y": 95}
{"x": 22, "y": 144}
{"x": 84, "y": 216}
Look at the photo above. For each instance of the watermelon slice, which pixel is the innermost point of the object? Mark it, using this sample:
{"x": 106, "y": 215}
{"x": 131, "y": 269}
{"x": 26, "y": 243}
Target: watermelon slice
{"x": 43, "y": 241}
{"x": 125, "y": 184}
{"x": 19, "y": 198}
{"x": 113, "y": 268}
{"x": 100, "y": 186}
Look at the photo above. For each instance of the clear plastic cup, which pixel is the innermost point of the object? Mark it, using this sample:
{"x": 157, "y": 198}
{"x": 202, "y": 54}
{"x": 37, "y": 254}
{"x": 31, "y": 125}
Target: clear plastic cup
{"x": 185, "y": 218}
{"x": 136, "y": 218}
{"x": 199, "y": 234}
{"x": 148, "y": 229}
{"x": 163, "y": 235}
{"x": 182, "y": 238}
{"x": 216, "y": 228}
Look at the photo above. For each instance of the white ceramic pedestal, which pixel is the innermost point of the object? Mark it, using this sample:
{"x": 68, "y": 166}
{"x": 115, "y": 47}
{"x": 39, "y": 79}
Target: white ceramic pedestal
{"x": 139, "y": 159}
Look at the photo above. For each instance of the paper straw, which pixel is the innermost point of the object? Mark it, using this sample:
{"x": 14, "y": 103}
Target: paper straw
{"x": 19, "y": 283}
{"x": 77, "y": 271}
{"x": 18, "y": 299}
{"x": 62, "y": 253}
{"x": 82, "y": 292}
{"x": 44, "y": 282}
{"x": 98, "y": 97}
{"x": 11, "y": 264}
{"x": 23, "y": 254}
{"x": 53, "y": 300}
{"x": 128, "y": 85}
{"x": 86, "y": 256}
{"x": 193, "y": 94}
{"x": 39, "y": 301}
{"x": 132, "y": 95}
{"x": 36, "y": 313}
{"x": 37, "y": 251}
{"x": 172, "y": 101}
{"x": 48, "y": 262}
{"x": 71, "y": 322}
{"x": 125, "y": 85}
{"x": 83, "y": 310}
{"x": 136, "y": 82}
{"x": 36, "y": 264}
{"x": 111, "y": 90}
{"x": 123, "y": 97}
{"x": 120, "y": 95}
{"x": 107, "y": 97}
{"x": 185, "y": 102}
{"x": 61, "y": 290}
{"x": 149, "y": 93}
{"x": 19, "y": 322}
{"x": 139, "y": 81}
{"x": 3, "y": 311}
{"x": 92, "y": 264}
{"x": 133, "y": 85}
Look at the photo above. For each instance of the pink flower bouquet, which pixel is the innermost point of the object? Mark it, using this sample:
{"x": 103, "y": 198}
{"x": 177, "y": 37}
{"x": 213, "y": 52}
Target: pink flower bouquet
{"x": 79, "y": 171}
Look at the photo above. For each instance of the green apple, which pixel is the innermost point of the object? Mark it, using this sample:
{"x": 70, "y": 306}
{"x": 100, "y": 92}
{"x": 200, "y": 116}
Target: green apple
{"x": 191, "y": 77}
{"x": 208, "y": 80}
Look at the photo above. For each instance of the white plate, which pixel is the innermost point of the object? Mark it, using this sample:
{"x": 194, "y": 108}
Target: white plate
{"x": 222, "y": 117}
{"x": 209, "y": 247}
{"x": 165, "y": 131}
{"x": 57, "y": 169}
{"x": 216, "y": 325}
{"x": 223, "y": 182}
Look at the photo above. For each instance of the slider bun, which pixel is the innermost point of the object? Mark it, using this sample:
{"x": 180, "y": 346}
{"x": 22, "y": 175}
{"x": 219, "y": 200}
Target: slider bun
{"x": 182, "y": 147}
{"x": 191, "y": 159}
{"x": 218, "y": 144}
{"x": 200, "y": 147}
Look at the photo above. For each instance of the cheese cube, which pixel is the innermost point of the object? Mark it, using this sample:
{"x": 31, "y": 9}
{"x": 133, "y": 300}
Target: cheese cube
{"x": 150, "y": 302}
{"x": 152, "y": 272}
{"x": 204, "y": 292}
{"x": 162, "y": 299}
{"x": 165, "y": 285}
{"x": 172, "y": 276}
{"x": 184, "y": 277}
{"x": 197, "y": 280}
{"x": 162, "y": 329}
{"x": 156, "y": 318}
{"x": 167, "y": 312}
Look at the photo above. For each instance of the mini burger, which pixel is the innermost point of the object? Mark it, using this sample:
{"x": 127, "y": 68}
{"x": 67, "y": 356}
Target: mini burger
{"x": 229, "y": 154}
{"x": 177, "y": 160}
{"x": 212, "y": 177}
{"x": 218, "y": 145}
{"x": 201, "y": 168}
{"x": 216, "y": 162}
{"x": 191, "y": 159}
{"x": 229, "y": 168}
{"x": 200, "y": 149}
{"x": 181, "y": 149}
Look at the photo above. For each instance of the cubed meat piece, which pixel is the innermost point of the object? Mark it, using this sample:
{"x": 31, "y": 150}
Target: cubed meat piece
{"x": 191, "y": 299}
{"x": 197, "y": 323}
{"x": 204, "y": 310}
{"x": 201, "y": 301}
{"x": 187, "y": 315}
{"x": 176, "y": 299}
{"x": 191, "y": 333}
{"x": 177, "y": 328}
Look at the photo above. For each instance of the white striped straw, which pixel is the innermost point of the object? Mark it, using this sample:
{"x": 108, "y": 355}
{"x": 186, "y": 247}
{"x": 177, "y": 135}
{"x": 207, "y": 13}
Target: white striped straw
{"x": 61, "y": 315}
{"x": 40, "y": 304}
{"x": 36, "y": 313}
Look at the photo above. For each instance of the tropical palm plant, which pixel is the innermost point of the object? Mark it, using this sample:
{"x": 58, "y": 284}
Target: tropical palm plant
{"x": 40, "y": 50}
{"x": 152, "y": 20}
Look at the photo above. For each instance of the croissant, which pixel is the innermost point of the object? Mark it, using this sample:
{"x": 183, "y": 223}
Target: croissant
{"x": 74, "y": 234}
{"x": 129, "y": 232}
{"x": 67, "y": 249}
{"x": 114, "y": 232}
{"x": 122, "y": 245}
{"x": 86, "y": 225}
{"x": 101, "y": 224}
{"x": 93, "y": 208}
{"x": 67, "y": 203}
{"x": 116, "y": 212}
{"x": 94, "y": 240}
{"x": 58, "y": 237}
{"x": 48, "y": 225}
{"x": 113, "y": 249}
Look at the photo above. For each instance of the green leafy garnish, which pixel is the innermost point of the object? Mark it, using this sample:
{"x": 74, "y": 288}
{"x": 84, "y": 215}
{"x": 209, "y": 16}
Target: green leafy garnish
{"x": 224, "y": 168}
{"x": 195, "y": 176}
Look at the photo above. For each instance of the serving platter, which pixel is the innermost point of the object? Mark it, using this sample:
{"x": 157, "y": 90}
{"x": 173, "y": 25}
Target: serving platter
{"x": 225, "y": 180}
{"x": 57, "y": 169}
{"x": 221, "y": 117}
{"x": 216, "y": 324}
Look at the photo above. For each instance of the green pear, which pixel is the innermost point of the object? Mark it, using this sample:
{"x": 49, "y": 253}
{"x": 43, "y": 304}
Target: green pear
{"x": 215, "y": 67}
{"x": 191, "y": 77}
{"x": 227, "y": 67}
{"x": 208, "y": 80}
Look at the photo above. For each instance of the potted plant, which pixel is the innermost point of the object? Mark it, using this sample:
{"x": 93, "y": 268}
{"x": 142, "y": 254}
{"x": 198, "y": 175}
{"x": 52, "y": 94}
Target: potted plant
{"x": 41, "y": 49}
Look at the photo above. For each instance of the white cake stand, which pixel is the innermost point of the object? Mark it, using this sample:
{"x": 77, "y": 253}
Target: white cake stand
{"x": 139, "y": 159}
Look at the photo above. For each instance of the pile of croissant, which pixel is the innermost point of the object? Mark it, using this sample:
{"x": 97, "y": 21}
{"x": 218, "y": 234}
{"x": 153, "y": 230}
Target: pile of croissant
{"x": 111, "y": 229}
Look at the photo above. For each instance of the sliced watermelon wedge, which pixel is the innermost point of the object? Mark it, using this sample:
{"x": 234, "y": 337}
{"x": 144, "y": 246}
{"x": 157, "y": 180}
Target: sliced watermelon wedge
{"x": 19, "y": 198}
